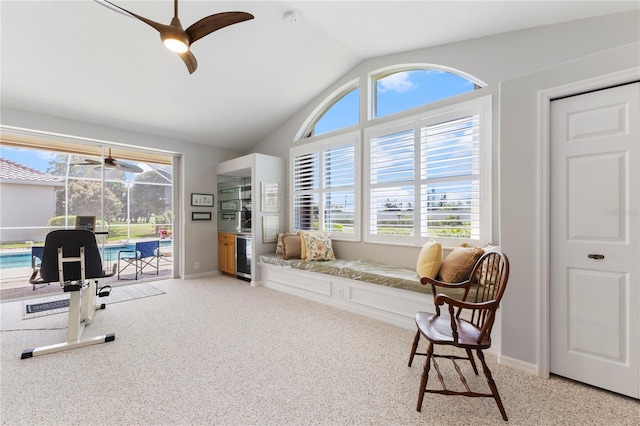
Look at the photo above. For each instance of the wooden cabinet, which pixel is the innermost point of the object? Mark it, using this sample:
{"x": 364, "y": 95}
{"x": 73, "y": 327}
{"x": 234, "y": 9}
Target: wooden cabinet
{"x": 227, "y": 253}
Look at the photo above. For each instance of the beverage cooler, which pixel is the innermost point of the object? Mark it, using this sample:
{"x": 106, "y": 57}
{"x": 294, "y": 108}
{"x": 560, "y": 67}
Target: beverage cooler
{"x": 243, "y": 257}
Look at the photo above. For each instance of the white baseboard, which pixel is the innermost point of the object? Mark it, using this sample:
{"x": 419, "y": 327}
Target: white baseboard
{"x": 201, "y": 275}
{"x": 517, "y": 364}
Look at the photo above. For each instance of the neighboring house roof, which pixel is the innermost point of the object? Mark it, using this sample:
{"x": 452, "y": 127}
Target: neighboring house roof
{"x": 12, "y": 172}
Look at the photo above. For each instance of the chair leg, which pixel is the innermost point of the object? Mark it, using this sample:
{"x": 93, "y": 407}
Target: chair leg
{"x": 473, "y": 361}
{"x": 414, "y": 347}
{"x": 127, "y": 263}
{"x": 492, "y": 385}
{"x": 425, "y": 376}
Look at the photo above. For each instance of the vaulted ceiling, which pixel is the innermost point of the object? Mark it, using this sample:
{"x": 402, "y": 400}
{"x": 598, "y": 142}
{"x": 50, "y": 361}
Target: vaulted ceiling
{"x": 82, "y": 61}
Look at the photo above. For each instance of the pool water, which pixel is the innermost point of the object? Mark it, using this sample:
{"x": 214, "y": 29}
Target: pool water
{"x": 23, "y": 259}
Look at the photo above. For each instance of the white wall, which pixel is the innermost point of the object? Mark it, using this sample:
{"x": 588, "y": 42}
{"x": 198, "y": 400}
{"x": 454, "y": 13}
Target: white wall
{"x": 198, "y": 174}
{"x": 491, "y": 59}
{"x": 523, "y": 170}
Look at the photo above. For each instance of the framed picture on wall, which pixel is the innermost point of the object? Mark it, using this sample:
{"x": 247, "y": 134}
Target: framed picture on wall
{"x": 270, "y": 229}
{"x": 270, "y": 200}
{"x": 202, "y": 200}
{"x": 200, "y": 216}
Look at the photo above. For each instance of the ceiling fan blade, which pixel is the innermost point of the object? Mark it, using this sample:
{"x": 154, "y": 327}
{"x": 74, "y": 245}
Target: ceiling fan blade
{"x": 118, "y": 9}
{"x": 87, "y": 162}
{"x": 189, "y": 61}
{"x": 214, "y": 22}
{"x": 127, "y": 167}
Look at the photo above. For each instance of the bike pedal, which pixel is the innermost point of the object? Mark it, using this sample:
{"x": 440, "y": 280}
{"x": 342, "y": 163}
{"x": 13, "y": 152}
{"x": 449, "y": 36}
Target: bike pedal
{"x": 104, "y": 291}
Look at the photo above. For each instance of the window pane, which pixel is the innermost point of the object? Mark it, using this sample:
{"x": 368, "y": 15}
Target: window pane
{"x": 392, "y": 158}
{"x": 339, "y": 212}
{"x": 339, "y": 166}
{"x": 343, "y": 113}
{"x": 403, "y": 90}
{"x": 392, "y": 210}
{"x": 339, "y": 172}
{"x": 450, "y": 179}
{"x": 305, "y": 211}
{"x": 324, "y": 181}
{"x": 451, "y": 148}
{"x": 451, "y": 209}
{"x": 305, "y": 172}
{"x": 150, "y": 198}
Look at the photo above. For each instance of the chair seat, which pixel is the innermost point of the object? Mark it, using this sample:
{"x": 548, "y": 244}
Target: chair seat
{"x": 437, "y": 329}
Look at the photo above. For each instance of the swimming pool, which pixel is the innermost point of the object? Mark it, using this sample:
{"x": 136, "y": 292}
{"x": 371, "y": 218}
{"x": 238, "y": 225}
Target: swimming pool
{"x": 23, "y": 259}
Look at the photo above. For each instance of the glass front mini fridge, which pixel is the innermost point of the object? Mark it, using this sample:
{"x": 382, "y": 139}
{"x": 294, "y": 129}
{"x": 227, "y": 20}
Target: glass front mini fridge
{"x": 243, "y": 257}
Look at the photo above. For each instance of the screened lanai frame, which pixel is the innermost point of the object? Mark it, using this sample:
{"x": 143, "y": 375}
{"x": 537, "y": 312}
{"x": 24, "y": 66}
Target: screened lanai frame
{"x": 68, "y": 164}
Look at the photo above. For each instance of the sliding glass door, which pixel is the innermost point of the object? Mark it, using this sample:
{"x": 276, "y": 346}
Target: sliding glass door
{"x": 129, "y": 193}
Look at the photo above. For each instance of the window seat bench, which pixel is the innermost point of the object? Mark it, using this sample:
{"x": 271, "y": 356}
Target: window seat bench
{"x": 386, "y": 292}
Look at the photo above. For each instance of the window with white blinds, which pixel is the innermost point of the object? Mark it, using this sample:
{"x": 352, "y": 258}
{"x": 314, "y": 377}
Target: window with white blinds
{"x": 392, "y": 176}
{"x": 450, "y": 181}
{"x": 324, "y": 182}
{"x": 427, "y": 177}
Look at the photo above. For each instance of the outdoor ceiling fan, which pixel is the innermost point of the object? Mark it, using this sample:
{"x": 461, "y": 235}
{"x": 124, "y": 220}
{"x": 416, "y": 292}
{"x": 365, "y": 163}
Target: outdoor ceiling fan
{"x": 178, "y": 40}
{"x": 112, "y": 163}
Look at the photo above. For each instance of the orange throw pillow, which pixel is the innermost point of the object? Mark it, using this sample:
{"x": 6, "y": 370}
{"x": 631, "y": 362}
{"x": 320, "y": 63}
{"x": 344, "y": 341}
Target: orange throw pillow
{"x": 457, "y": 266}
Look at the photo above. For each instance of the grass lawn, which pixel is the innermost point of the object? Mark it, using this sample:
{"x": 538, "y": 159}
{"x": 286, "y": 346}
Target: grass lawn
{"x": 117, "y": 232}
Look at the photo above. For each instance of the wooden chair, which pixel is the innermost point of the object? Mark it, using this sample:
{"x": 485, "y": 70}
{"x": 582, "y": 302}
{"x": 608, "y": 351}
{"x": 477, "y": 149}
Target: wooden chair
{"x": 468, "y": 325}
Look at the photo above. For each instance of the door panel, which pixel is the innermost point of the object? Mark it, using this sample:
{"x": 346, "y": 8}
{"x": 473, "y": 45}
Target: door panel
{"x": 586, "y": 288}
{"x": 595, "y": 239}
{"x": 585, "y": 187}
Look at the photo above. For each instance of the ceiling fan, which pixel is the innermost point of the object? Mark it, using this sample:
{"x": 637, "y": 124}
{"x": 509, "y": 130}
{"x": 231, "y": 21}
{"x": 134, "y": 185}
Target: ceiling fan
{"x": 178, "y": 40}
{"x": 111, "y": 162}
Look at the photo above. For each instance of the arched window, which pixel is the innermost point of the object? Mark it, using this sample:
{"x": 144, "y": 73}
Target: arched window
{"x": 425, "y": 174}
{"x": 402, "y": 89}
{"x": 339, "y": 110}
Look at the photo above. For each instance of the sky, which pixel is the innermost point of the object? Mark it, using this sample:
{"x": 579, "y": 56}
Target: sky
{"x": 35, "y": 159}
{"x": 394, "y": 93}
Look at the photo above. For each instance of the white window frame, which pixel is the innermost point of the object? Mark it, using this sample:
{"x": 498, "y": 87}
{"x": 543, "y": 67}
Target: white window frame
{"x": 376, "y": 75}
{"x": 310, "y": 123}
{"x": 480, "y": 106}
{"x": 319, "y": 147}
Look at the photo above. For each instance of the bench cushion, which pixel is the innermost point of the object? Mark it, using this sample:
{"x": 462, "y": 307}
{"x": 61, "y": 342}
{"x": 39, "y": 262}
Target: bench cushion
{"x": 360, "y": 270}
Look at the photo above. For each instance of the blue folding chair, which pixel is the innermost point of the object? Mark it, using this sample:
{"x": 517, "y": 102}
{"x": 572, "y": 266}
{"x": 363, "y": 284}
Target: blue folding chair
{"x": 145, "y": 255}
{"x": 36, "y": 261}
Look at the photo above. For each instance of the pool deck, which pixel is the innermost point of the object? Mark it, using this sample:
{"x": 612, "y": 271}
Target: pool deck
{"x": 14, "y": 282}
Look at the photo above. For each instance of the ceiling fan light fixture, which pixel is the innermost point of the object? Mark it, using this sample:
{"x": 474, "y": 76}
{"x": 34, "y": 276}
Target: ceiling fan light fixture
{"x": 175, "y": 40}
{"x": 174, "y": 45}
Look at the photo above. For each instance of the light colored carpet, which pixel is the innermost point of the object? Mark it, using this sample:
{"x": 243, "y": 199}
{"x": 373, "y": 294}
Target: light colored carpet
{"x": 118, "y": 294}
{"x": 216, "y": 351}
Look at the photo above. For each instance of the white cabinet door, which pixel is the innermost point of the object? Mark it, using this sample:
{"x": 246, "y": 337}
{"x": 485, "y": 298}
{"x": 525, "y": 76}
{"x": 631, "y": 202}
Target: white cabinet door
{"x": 595, "y": 239}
